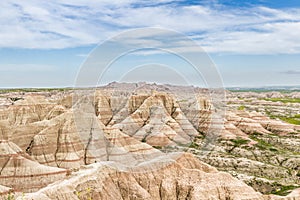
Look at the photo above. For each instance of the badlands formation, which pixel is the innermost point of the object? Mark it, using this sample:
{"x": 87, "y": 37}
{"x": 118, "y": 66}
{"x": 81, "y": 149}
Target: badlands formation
{"x": 142, "y": 141}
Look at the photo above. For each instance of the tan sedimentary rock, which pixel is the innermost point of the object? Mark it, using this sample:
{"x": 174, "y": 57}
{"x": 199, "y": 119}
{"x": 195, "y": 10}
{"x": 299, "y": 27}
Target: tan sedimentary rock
{"x": 18, "y": 168}
{"x": 56, "y": 111}
{"x": 4, "y": 102}
{"x": 295, "y": 194}
{"x": 275, "y": 126}
{"x": 68, "y": 143}
{"x": 103, "y": 108}
{"x": 28, "y": 110}
{"x": 22, "y": 135}
{"x": 168, "y": 177}
{"x": 58, "y": 144}
{"x": 232, "y": 132}
{"x": 243, "y": 121}
{"x": 162, "y": 130}
{"x": 151, "y": 121}
{"x": 127, "y": 150}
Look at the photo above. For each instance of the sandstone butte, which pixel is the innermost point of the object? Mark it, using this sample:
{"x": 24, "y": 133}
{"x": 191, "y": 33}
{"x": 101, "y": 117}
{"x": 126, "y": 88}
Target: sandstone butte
{"x": 122, "y": 142}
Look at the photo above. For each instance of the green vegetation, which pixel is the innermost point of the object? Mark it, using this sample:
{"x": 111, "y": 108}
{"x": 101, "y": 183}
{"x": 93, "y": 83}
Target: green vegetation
{"x": 291, "y": 120}
{"x": 272, "y": 144}
{"x": 183, "y": 100}
{"x": 261, "y": 90}
{"x": 256, "y": 134}
{"x": 283, "y": 100}
{"x": 194, "y": 145}
{"x": 242, "y": 107}
{"x": 248, "y": 100}
{"x": 200, "y": 136}
{"x": 284, "y": 190}
{"x": 239, "y": 141}
{"x": 2, "y": 91}
{"x": 14, "y": 99}
{"x": 297, "y": 116}
{"x": 263, "y": 145}
{"x": 87, "y": 194}
{"x": 252, "y": 90}
{"x": 10, "y": 196}
{"x": 273, "y": 149}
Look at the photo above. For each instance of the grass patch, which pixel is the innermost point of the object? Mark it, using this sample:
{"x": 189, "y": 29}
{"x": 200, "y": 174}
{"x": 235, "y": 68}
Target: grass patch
{"x": 256, "y": 90}
{"x": 284, "y": 190}
{"x": 291, "y": 120}
{"x": 263, "y": 145}
{"x": 297, "y": 116}
{"x": 239, "y": 141}
{"x": 261, "y": 90}
{"x": 2, "y": 91}
{"x": 283, "y": 100}
{"x": 194, "y": 145}
{"x": 242, "y": 107}
{"x": 183, "y": 100}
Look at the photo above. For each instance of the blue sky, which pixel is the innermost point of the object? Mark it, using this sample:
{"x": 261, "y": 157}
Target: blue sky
{"x": 252, "y": 42}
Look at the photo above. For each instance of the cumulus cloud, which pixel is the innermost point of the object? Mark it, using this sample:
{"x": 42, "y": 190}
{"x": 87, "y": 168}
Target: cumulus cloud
{"x": 72, "y": 23}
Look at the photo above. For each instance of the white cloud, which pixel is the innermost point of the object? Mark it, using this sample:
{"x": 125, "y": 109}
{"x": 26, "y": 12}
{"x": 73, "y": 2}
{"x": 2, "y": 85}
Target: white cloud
{"x": 72, "y": 23}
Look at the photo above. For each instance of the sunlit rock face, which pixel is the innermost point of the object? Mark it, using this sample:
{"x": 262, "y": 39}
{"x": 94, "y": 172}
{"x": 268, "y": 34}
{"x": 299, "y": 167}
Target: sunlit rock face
{"x": 182, "y": 177}
{"x": 18, "y": 168}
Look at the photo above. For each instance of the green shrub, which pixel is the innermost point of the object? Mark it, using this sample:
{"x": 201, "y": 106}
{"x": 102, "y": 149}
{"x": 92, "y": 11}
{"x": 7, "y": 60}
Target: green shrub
{"x": 239, "y": 141}
{"x": 242, "y": 107}
{"x": 284, "y": 190}
{"x": 273, "y": 149}
{"x": 194, "y": 145}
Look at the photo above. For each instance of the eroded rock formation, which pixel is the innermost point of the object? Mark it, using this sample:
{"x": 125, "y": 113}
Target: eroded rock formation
{"x": 114, "y": 143}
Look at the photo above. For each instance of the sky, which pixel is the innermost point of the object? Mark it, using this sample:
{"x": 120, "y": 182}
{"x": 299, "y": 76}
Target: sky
{"x": 252, "y": 43}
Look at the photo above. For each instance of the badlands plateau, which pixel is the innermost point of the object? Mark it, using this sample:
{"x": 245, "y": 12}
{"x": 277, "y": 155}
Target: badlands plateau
{"x": 149, "y": 141}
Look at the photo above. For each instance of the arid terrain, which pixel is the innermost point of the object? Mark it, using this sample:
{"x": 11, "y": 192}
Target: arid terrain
{"x": 149, "y": 141}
